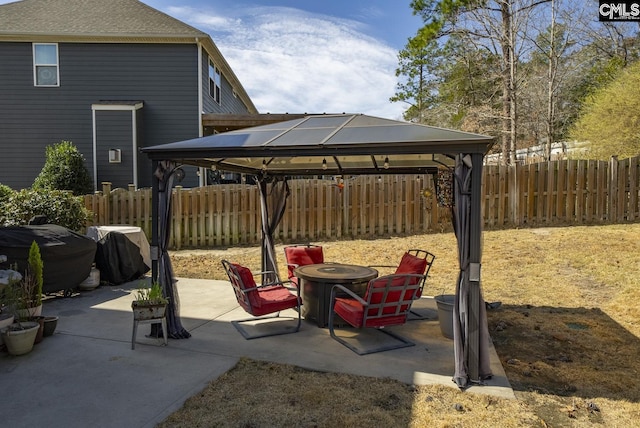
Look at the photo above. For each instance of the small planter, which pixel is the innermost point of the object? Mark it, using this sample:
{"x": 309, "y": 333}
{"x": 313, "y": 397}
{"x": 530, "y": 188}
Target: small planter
{"x": 20, "y": 337}
{"x": 40, "y": 334}
{"x": 5, "y": 321}
{"x": 145, "y": 311}
{"x": 50, "y": 324}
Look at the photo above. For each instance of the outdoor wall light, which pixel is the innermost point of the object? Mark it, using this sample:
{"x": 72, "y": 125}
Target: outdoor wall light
{"x": 324, "y": 164}
{"x": 115, "y": 156}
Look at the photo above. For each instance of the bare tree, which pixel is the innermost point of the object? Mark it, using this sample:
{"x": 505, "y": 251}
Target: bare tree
{"x": 499, "y": 26}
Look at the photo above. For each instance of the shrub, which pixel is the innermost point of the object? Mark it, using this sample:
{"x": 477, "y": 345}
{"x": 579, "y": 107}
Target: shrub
{"x": 60, "y": 207}
{"x": 5, "y": 192}
{"x": 64, "y": 169}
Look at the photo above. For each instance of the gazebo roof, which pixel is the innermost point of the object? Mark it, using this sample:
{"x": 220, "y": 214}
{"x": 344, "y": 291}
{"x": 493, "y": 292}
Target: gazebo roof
{"x": 326, "y": 144}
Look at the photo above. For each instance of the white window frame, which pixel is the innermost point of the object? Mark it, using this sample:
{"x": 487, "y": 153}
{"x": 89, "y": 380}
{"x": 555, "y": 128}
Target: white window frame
{"x": 37, "y": 64}
{"x": 215, "y": 82}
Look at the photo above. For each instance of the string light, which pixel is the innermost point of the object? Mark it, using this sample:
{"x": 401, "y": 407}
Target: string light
{"x": 264, "y": 165}
{"x": 324, "y": 164}
{"x": 386, "y": 162}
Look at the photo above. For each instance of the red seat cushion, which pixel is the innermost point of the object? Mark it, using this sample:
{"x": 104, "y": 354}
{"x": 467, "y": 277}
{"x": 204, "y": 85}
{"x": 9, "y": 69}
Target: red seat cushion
{"x": 273, "y": 299}
{"x": 392, "y": 296}
{"x": 265, "y": 300}
{"x": 301, "y": 256}
{"x": 352, "y": 312}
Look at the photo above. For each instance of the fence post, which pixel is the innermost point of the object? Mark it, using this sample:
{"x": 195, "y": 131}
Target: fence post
{"x": 106, "y": 192}
{"x": 512, "y": 191}
{"x": 612, "y": 188}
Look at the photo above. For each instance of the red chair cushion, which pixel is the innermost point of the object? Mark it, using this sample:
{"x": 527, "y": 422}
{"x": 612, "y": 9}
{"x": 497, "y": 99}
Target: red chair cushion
{"x": 274, "y": 299}
{"x": 247, "y": 282}
{"x": 265, "y": 300}
{"x": 414, "y": 265}
{"x": 411, "y": 264}
{"x": 300, "y": 256}
{"x": 352, "y": 312}
{"x": 392, "y": 296}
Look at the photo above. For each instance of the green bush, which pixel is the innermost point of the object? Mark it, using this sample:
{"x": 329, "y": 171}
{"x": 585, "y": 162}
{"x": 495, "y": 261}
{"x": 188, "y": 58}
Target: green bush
{"x": 64, "y": 169}
{"x": 5, "y": 192}
{"x": 60, "y": 207}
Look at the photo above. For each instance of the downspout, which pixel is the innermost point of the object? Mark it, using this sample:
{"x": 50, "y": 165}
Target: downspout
{"x": 134, "y": 139}
{"x": 203, "y": 176}
{"x": 95, "y": 148}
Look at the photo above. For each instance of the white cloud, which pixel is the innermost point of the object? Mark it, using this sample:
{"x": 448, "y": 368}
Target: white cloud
{"x": 293, "y": 61}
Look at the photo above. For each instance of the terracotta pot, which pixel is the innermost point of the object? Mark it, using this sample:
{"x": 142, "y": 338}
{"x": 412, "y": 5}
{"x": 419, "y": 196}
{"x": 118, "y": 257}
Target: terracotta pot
{"x": 40, "y": 334}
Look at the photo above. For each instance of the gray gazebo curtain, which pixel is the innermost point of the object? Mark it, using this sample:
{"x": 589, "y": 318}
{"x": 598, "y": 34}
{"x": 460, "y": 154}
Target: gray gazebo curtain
{"x": 165, "y": 173}
{"x": 469, "y": 312}
{"x": 273, "y": 199}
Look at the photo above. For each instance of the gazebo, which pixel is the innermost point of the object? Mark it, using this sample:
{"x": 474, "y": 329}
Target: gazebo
{"x": 342, "y": 144}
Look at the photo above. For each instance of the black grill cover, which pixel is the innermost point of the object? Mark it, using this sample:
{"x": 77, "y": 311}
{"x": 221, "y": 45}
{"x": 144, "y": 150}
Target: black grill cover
{"x": 67, "y": 256}
{"x": 119, "y": 259}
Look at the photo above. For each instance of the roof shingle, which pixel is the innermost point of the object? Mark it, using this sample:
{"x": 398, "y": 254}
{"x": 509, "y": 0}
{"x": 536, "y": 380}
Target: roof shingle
{"x": 111, "y": 18}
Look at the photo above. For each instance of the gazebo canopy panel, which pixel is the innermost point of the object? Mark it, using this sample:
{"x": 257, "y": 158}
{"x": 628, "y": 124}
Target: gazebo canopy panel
{"x": 347, "y": 144}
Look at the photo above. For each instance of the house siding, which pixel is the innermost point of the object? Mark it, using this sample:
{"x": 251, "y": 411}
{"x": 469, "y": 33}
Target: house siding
{"x": 228, "y": 103}
{"x": 114, "y": 130}
{"x": 162, "y": 76}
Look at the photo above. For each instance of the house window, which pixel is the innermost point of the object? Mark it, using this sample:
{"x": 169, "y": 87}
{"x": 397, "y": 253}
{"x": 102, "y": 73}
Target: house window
{"x": 214, "y": 82}
{"x": 45, "y": 64}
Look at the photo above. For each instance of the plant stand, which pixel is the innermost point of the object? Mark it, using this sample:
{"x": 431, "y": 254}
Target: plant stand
{"x": 155, "y": 314}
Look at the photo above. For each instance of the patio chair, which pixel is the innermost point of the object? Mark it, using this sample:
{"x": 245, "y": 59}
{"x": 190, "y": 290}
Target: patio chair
{"x": 261, "y": 301}
{"x": 301, "y": 255}
{"x": 387, "y": 302}
{"x": 416, "y": 262}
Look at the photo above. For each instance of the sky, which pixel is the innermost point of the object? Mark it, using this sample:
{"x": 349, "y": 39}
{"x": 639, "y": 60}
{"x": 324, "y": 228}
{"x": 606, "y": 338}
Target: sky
{"x": 307, "y": 56}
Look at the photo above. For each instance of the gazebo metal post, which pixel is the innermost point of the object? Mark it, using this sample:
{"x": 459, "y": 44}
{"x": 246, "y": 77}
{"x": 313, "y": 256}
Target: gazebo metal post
{"x": 154, "y": 222}
{"x": 475, "y": 248}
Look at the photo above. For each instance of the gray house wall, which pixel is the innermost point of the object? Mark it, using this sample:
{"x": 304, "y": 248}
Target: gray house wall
{"x": 228, "y": 102}
{"x": 114, "y": 130}
{"x": 163, "y": 76}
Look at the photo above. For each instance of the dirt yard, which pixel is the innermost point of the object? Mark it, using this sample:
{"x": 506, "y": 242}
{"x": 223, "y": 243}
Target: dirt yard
{"x": 567, "y": 333}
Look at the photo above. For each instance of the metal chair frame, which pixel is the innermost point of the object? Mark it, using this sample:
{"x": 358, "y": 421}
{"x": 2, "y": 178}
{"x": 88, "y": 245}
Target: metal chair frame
{"x": 242, "y": 295}
{"x": 380, "y": 312}
{"x": 429, "y": 257}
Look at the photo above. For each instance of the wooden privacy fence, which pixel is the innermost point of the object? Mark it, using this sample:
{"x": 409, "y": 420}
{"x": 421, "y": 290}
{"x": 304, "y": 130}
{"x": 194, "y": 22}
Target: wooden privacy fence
{"x": 549, "y": 193}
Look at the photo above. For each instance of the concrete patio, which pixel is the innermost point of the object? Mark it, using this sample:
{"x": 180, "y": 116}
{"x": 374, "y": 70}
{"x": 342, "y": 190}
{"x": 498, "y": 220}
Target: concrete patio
{"x": 86, "y": 374}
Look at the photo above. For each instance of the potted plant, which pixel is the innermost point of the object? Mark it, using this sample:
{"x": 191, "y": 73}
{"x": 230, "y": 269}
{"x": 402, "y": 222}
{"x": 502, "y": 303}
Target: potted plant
{"x": 149, "y": 303}
{"x": 19, "y": 337}
{"x": 28, "y": 291}
{"x": 6, "y": 313}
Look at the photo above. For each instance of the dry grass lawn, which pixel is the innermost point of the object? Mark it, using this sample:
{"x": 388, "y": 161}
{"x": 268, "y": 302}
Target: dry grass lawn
{"x": 568, "y": 335}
